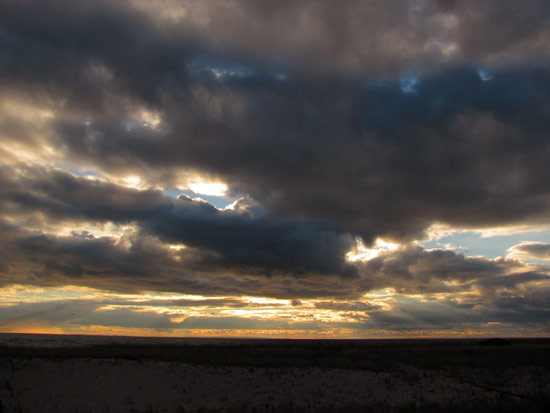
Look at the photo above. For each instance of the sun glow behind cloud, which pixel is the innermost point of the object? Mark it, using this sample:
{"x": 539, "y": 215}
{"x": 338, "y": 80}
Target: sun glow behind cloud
{"x": 208, "y": 188}
{"x": 361, "y": 253}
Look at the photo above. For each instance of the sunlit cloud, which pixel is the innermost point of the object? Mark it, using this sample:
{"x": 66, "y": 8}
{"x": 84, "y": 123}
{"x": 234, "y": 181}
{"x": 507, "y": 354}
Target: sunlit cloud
{"x": 133, "y": 181}
{"x": 361, "y": 253}
{"x": 530, "y": 250}
{"x": 209, "y": 188}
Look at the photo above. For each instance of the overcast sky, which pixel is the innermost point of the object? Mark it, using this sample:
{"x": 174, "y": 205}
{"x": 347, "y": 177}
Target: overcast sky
{"x": 284, "y": 168}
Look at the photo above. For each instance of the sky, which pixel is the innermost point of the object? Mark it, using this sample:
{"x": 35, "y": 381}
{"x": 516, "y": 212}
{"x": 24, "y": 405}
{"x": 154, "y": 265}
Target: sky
{"x": 291, "y": 168}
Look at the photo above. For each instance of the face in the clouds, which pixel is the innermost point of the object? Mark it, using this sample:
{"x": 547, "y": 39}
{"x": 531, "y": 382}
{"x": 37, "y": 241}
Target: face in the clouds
{"x": 292, "y": 150}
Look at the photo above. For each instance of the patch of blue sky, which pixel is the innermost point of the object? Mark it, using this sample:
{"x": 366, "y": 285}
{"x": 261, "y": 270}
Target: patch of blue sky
{"x": 79, "y": 172}
{"x": 484, "y": 75}
{"x": 219, "y": 202}
{"x": 408, "y": 82}
{"x": 232, "y": 71}
{"x": 472, "y": 243}
{"x": 218, "y": 67}
{"x": 226, "y": 69}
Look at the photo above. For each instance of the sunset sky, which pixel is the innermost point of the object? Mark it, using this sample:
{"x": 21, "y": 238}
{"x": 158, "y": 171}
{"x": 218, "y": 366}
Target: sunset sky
{"x": 289, "y": 168}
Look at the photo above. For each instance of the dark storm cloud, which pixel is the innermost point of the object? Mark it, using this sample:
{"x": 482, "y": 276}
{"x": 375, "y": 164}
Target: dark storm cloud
{"x": 367, "y": 159}
{"x": 359, "y": 120}
{"x": 61, "y": 195}
{"x": 62, "y": 39}
{"x": 364, "y": 155}
{"x": 529, "y": 304}
{"x": 47, "y": 260}
{"x": 375, "y": 37}
{"x": 233, "y": 239}
{"x": 290, "y": 246}
{"x": 233, "y": 253}
{"x": 413, "y": 270}
{"x": 141, "y": 263}
{"x": 86, "y": 52}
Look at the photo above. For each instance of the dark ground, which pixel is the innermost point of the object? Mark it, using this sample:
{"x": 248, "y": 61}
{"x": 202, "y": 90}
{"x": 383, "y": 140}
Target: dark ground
{"x": 319, "y": 375}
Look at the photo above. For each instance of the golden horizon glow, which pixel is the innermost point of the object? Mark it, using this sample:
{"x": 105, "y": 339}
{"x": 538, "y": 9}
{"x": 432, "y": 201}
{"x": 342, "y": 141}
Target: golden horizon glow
{"x": 184, "y": 315}
{"x": 96, "y": 330}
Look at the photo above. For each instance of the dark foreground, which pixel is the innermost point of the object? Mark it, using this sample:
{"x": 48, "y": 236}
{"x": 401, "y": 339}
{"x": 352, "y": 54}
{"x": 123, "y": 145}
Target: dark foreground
{"x": 90, "y": 374}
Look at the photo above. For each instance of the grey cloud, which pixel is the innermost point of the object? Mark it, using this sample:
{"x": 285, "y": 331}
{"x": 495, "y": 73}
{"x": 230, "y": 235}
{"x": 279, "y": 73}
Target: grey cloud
{"x": 493, "y": 31}
{"x": 88, "y": 52}
{"x": 375, "y": 37}
{"x": 141, "y": 263}
{"x": 304, "y": 123}
{"x": 513, "y": 280}
{"x": 528, "y": 298}
{"x": 237, "y": 240}
{"x": 507, "y": 310}
{"x": 536, "y": 250}
{"x": 47, "y": 312}
{"x": 222, "y": 323}
{"x": 412, "y": 314}
{"x": 122, "y": 317}
{"x": 357, "y": 153}
{"x": 415, "y": 270}
{"x": 416, "y": 316}
{"x": 227, "y": 250}
{"x": 64, "y": 196}
{"x": 69, "y": 313}
{"x": 212, "y": 302}
{"x": 373, "y": 160}
{"x": 271, "y": 245}
{"x": 346, "y": 306}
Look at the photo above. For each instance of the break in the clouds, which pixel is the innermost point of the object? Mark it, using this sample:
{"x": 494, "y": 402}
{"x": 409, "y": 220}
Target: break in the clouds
{"x": 296, "y": 150}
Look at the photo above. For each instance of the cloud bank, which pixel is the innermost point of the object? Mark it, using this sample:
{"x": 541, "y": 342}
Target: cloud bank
{"x": 332, "y": 127}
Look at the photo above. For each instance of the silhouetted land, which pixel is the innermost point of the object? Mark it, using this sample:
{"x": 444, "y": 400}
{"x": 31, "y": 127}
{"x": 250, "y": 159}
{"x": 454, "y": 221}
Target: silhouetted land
{"x": 252, "y": 375}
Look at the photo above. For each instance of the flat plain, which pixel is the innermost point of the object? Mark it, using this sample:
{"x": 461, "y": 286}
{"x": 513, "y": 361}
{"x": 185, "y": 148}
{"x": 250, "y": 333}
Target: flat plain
{"x": 62, "y": 373}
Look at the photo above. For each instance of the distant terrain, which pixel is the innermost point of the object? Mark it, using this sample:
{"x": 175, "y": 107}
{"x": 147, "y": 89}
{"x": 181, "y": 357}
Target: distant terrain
{"x": 132, "y": 374}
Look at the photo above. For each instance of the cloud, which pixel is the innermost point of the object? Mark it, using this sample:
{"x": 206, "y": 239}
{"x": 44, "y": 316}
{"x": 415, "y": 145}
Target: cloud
{"x": 234, "y": 252}
{"x": 385, "y": 37}
{"x": 330, "y": 125}
{"x": 350, "y": 150}
{"x": 532, "y": 250}
{"x": 373, "y": 161}
{"x": 346, "y": 306}
{"x": 234, "y": 239}
{"x": 413, "y": 270}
